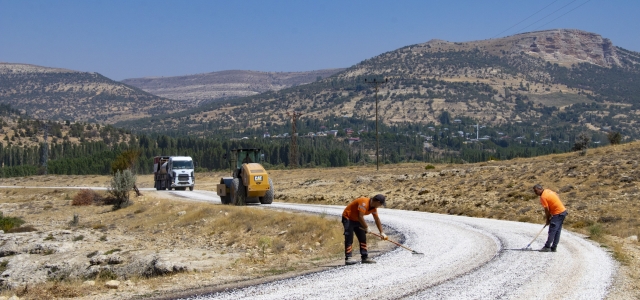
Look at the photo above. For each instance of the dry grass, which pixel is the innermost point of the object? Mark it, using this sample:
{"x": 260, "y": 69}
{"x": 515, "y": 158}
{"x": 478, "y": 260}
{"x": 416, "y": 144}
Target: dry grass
{"x": 230, "y": 243}
{"x": 55, "y": 290}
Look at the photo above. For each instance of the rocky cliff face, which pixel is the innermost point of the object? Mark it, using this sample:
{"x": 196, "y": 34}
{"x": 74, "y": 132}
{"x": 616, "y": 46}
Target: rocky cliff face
{"x": 562, "y": 46}
{"x": 568, "y": 46}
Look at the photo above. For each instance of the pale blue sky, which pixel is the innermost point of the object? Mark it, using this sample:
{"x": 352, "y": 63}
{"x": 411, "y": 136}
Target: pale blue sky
{"x": 126, "y": 39}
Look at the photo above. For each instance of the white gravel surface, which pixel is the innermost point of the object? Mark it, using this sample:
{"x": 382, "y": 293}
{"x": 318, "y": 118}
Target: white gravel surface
{"x": 464, "y": 258}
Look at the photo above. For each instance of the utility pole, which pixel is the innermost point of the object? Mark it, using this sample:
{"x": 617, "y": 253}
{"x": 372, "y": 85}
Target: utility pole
{"x": 376, "y": 83}
{"x": 45, "y": 149}
{"x": 293, "y": 151}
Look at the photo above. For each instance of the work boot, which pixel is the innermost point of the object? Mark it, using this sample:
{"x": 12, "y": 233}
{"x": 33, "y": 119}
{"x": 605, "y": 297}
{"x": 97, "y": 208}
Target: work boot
{"x": 553, "y": 249}
{"x": 545, "y": 249}
{"x": 367, "y": 260}
{"x": 350, "y": 261}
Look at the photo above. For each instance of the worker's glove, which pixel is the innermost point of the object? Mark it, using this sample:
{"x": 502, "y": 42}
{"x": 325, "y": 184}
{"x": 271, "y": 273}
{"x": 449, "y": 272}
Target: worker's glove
{"x": 383, "y": 236}
{"x": 367, "y": 229}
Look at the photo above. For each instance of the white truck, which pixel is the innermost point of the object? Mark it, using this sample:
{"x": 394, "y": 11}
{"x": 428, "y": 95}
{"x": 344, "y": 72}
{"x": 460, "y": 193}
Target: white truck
{"x": 173, "y": 172}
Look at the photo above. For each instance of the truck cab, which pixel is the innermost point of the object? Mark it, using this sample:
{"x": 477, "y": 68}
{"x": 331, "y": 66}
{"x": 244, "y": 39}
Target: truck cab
{"x": 174, "y": 172}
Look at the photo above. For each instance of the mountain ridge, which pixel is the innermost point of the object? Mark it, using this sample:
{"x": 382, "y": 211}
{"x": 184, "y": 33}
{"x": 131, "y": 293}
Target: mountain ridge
{"x": 62, "y": 94}
{"x": 560, "y": 77}
{"x": 227, "y": 84}
{"x": 491, "y": 81}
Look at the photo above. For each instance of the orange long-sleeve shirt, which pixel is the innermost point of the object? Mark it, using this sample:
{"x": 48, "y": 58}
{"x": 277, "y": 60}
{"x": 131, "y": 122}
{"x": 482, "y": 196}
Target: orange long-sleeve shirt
{"x": 359, "y": 205}
{"x": 549, "y": 199}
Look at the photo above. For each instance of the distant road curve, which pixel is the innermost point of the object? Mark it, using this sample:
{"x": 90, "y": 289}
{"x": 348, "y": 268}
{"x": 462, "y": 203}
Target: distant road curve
{"x": 464, "y": 258}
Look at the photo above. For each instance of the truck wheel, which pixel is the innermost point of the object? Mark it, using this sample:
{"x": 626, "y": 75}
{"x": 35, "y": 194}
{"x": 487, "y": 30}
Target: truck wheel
{"x": 238, "y": 195}
{"x": 268, "y": 197}
{"x": 191, "y": 188}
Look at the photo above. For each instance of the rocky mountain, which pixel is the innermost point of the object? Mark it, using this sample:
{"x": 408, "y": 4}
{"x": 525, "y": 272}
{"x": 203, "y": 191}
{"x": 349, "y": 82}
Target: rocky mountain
{"x": 213, "y": 86}
{"x": 551, "y": 79}
{"x": 563, "y": 46}
{"x": 60, "y": 94}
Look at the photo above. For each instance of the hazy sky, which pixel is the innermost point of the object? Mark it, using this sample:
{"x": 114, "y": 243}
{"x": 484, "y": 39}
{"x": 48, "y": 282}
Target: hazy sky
{"x": 127, "y": 39}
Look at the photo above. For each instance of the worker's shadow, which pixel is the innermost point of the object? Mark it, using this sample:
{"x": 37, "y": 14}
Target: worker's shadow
{"x": 522, "y": 249}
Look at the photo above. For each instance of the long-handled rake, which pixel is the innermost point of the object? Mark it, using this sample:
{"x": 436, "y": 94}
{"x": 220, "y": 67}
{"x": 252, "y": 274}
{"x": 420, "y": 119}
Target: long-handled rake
{"x": 528, "y": 247}
{"x": 400, "y": 245}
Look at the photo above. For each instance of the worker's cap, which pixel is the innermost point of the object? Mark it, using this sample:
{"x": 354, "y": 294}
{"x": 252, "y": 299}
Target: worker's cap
{"x": 380, "y": 198}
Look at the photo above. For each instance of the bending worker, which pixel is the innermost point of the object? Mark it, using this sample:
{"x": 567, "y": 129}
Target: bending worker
{"x": 353, "y": 221}
{"x": 555, "y": 213}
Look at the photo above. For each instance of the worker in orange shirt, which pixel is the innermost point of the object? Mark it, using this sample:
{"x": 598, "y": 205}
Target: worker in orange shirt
{"x": 555, "y": 212}
{"x": 353, "y": 221}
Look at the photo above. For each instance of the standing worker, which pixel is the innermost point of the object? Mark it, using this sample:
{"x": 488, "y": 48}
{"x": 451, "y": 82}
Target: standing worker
{"x": 353, "y": 221}
{"x": 555, "y": 212}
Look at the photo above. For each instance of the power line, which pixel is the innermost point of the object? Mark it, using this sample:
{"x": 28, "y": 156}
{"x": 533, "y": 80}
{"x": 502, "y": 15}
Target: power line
{"x": 555, "y": 11}
{"x": 527, "y": 18}
{"x": 563, "y": 15}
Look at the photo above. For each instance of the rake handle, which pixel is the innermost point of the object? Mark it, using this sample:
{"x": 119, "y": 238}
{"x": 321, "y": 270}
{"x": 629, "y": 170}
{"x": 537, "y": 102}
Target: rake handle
{"x": 395, "y": 243}
{"x": 539, "y": 232}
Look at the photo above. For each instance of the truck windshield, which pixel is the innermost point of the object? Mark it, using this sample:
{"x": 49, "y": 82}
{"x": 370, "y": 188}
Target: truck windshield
{"x": 183, "y": 164}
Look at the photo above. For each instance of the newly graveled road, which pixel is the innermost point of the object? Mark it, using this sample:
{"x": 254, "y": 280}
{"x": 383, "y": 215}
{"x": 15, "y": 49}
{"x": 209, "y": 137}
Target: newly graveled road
{"x": 464, "y": 258}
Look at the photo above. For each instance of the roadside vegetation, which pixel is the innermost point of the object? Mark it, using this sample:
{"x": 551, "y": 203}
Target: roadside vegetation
{"x": 219, "y": 244}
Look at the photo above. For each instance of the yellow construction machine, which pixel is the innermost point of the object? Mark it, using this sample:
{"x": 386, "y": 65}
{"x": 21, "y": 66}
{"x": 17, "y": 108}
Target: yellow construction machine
{"x": 249, "y": 183}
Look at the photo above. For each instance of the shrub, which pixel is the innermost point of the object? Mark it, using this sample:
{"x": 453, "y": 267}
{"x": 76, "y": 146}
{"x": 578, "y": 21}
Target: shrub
{"x": 112, "y": 251}
{"x": 582, "y": 143}
{"x": 596, "y": 230}
{"x": 121, "y": 185}
{"x": 3, "y": 265}
{"x": 263, "y": 243}
{"x": 8, "y": 223}
{"x": 107, "y": 275}
{"x": 429, "y": 167}
{"x": 86, "y": 197}
{"x": 75, "y": 221}
{"x": 125, "y": 160}
{"x": 614, "y": 137}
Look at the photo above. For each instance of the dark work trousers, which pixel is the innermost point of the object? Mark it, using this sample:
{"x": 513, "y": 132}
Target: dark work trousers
{"x": 555, "y": 226}
{"x": 349, "y": 228}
